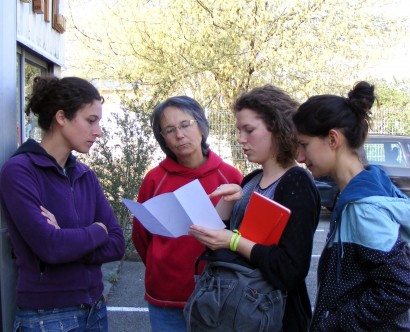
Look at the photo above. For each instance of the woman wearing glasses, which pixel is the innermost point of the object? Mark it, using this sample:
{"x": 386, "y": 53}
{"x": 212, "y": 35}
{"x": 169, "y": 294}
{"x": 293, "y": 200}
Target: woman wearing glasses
{"x": 181, "y": 129}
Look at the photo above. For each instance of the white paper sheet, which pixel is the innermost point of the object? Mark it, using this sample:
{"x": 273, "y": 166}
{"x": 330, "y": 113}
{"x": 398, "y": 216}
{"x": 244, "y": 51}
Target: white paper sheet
{"x": 171, "y": 214}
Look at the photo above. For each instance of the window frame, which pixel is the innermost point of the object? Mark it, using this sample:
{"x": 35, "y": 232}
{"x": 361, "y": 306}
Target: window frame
{"x": 24, "y": 58}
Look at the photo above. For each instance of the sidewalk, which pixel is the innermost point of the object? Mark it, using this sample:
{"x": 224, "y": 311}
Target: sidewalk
{"x": 124, "y": 292}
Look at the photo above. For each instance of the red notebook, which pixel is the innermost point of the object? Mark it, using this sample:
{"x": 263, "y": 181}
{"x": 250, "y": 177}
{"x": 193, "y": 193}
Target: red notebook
{"x": 264, "y": 220}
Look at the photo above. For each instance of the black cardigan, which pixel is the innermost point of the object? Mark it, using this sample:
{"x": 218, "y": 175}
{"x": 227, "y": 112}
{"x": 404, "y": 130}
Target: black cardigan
{"x": 286, "y": 265}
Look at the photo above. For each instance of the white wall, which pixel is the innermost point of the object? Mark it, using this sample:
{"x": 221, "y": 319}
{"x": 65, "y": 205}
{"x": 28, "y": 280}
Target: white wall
{"x": 37, "y": 34}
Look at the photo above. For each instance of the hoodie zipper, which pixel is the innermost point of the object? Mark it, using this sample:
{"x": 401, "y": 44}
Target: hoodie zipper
{"x": 330, "y": 238}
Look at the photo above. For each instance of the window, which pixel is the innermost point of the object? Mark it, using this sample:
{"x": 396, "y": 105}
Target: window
{"x": 28, "y": 67}
{"x": 32, "y": 130}
{"x": 374, "y": 152}
{"x": 384, "y": 153}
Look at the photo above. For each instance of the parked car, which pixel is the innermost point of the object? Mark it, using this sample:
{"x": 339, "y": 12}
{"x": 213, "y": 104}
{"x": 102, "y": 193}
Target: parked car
{"x": 328, "y": 191}
{"x": 390, "y": 152}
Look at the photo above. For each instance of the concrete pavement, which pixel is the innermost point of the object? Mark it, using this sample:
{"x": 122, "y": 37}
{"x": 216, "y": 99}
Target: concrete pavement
{"x": 127, "y": 309}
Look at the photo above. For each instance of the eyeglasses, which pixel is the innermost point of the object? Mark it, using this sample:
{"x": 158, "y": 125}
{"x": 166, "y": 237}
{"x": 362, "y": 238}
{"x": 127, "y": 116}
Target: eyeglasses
{"x": 183, "y": 126}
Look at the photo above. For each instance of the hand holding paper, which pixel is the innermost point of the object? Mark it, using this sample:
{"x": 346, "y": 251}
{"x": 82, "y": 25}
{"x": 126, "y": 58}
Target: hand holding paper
{"x": 171, "y": 214}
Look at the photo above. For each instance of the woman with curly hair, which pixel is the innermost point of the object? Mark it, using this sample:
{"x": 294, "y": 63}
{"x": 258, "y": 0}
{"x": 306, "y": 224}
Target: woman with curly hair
{"x": 61, "y": 226}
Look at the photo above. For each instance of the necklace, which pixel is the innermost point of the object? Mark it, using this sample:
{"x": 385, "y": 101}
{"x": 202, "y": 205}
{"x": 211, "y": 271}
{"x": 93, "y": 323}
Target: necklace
{"x": 269, "y": 190}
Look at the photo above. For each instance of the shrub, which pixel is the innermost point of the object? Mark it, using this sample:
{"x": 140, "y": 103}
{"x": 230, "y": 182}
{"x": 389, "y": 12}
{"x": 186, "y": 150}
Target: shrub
{"x": 121, "y": 158}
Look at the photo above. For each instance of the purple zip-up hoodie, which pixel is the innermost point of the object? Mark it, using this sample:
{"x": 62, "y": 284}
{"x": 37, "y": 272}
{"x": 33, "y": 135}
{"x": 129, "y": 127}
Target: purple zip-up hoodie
{"x": 57, "y": 268}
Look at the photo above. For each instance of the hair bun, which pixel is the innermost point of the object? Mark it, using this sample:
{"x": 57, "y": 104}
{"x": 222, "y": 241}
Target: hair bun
{"x": 43, "y": 87}
{"x": 361, "y": 98}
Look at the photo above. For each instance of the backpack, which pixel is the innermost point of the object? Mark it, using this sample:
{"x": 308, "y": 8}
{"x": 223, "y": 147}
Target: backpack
{"x": 231, "y": 295}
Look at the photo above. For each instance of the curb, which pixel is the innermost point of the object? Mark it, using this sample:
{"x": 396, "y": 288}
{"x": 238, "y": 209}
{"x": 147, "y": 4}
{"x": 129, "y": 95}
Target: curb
{"x": 110, "y": 273}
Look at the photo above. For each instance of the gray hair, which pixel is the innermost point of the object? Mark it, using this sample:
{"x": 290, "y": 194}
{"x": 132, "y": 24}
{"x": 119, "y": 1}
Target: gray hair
{"x": 187, "y": 105}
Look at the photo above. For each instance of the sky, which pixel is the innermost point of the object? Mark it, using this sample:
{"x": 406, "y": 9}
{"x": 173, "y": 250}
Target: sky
{"x": 397, "y": 65}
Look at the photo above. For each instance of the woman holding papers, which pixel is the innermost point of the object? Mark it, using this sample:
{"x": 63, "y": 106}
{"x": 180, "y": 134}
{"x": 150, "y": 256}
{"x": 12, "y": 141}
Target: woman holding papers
{"x": 364, "y": 270}
{"x": 60, "y": 224}
{"x": 181, "y": 129}
{"x": 268, "y": 138}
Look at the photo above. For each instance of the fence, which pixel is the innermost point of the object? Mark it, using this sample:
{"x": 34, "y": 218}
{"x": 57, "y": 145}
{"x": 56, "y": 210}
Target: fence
{"x": 391, "y": 122}
{"x": 223, "y": 136}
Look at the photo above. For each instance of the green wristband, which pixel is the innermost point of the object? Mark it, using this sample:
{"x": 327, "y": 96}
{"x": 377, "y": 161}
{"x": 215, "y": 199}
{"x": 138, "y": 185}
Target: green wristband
{"x": 235, "y": 245}
{"x": 233, "y": 239}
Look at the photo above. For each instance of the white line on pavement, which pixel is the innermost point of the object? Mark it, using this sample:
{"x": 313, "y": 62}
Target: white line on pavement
{"x": 127, "y": 309}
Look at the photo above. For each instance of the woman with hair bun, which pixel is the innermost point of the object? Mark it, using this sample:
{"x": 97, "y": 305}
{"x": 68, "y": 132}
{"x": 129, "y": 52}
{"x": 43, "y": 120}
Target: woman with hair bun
{"x": 61, "y": 226}
{"x": 364, "y": 270}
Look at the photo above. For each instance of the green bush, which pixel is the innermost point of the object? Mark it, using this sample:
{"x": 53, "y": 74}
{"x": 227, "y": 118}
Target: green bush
{"x": 121, "y": 158}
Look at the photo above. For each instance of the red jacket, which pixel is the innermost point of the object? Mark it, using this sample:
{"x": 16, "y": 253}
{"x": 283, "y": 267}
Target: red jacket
{"x": 169, "y": 262}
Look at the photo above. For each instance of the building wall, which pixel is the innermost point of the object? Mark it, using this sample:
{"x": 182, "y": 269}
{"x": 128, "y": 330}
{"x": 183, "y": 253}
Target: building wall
{"x": 36, "y": 32}
{"x": 8, "y": 142}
